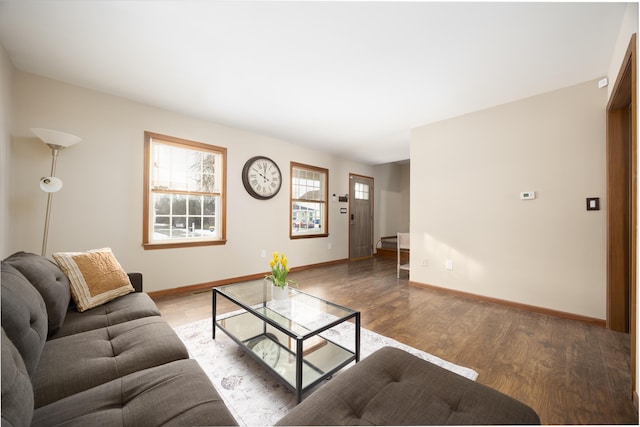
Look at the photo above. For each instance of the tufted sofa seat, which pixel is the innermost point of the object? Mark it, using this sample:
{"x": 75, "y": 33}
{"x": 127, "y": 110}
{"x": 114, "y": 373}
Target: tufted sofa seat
{"x": 393, "y": 387}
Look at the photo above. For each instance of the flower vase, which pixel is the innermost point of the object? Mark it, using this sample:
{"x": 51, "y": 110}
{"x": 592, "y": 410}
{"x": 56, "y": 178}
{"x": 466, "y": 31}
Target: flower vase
{"x": 278, "y": 293}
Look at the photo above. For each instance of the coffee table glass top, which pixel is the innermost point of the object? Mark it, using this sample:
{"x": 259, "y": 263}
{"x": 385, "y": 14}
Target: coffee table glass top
{"x": 298, "y": 313}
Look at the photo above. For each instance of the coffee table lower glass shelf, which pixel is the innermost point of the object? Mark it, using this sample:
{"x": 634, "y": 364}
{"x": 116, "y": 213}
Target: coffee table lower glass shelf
{"x": 286, "y": 336}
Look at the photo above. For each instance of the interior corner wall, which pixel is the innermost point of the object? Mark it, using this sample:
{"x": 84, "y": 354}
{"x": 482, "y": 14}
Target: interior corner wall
{"x": 6, "y": 117}
{"x": 100, "y": 204}
{"x": 548, "y": 252}
{"x": 391, "y": 199}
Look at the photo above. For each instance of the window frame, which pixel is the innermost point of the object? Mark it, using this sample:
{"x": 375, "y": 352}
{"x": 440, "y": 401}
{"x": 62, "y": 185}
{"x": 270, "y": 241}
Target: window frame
{"x": 147, "y": 209}
{"x": 325, "y": 219}
{"x": 361, "y": 190}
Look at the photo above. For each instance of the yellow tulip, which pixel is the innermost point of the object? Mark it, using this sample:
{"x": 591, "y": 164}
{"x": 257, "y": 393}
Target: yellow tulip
{"x": 275, "y": 255}
{"x": 272, "y": 263}
{"x": 283, "y": 262}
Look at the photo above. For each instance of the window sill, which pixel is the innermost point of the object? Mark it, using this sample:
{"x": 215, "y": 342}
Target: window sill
{"x": 307, "y": 236}
{"x": 174, "y": 245}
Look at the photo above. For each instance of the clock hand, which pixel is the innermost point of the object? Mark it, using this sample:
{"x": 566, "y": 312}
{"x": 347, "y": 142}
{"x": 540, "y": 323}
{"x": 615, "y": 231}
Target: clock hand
{"x": 260, "y": 173}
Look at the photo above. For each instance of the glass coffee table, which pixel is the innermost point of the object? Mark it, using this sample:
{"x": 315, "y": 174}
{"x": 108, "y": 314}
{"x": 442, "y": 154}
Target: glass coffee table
{"x": 286, "y": 335}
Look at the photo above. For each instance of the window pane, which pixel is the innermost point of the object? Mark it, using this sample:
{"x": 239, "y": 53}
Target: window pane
{"x": 307, "y": 218}
{"x": 170, "y": 223}
{"x": 162, "y": 204}
{"x": 179, "y": 204}
{"x": 308, "y": 201}
{"x": 308, "y": 185}
{"x": 209, "y": 224}
{"x": 362, "y": 191}
{"x": 182, "y": 169}
{"x": 195, "y": 205}
{"x": 209, "y": 205}
{"x": 161, "y": 227}
{"x": 208, "y": 173}
{"x": 178, "y": 222}
{"x": 185, "y": 197}
{"x": 195, "y": 224}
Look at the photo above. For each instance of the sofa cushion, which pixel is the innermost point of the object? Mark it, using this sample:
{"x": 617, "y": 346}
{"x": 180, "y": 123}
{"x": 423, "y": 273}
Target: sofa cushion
{"x": 393, "y": 387}
{"x": 96, "y": 277}
{"x": 24, "y": 316}
{"x": 79, "y": 362}
{"x": 49, "y": 280}
{"x": 175, "y": 394}
{"x": 123, "y": 309}
{"x": 17, "y": 393}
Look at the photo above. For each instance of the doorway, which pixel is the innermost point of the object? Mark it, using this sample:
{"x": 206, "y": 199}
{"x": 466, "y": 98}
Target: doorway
{"x": 622, "y": 203}
{"x": 360, "y": 216}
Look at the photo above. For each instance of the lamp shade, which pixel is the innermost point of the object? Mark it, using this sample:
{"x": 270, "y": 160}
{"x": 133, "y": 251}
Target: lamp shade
{"x": 55, "y": 137}
{"x": 50, "y": 184}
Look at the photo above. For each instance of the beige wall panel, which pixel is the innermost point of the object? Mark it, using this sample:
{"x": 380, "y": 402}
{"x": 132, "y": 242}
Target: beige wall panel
{"x": 466, "y": 207}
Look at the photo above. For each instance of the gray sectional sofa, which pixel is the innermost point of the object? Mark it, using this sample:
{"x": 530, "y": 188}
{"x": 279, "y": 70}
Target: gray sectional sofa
{"x": 121, "y": 364}
{"x": 116, "y": 364}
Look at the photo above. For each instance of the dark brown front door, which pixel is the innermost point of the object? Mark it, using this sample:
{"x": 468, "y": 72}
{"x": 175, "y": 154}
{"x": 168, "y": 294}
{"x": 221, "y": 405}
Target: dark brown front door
{"x": 360, "y": 216}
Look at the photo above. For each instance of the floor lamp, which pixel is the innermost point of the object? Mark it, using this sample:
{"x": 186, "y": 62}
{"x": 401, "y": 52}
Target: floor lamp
{"x": 57, "y": 141}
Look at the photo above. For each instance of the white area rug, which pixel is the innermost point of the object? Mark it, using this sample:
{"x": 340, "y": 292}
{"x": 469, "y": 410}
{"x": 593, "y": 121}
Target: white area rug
{"x": 254, "y": 395}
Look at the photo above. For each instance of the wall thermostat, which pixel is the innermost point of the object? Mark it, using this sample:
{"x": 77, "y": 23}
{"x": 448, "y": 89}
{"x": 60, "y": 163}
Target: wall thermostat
{"x": 527, "y": 195}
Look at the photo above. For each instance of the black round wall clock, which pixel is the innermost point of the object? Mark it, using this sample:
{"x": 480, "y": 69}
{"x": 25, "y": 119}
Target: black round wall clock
{"x": 261, "y": 177}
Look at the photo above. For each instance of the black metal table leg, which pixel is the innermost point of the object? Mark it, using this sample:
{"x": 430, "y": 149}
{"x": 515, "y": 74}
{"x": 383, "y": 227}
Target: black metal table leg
{"x": 213, "y": 314}
{"x": 299, "y": 370}
{"x": 358, "y": 337}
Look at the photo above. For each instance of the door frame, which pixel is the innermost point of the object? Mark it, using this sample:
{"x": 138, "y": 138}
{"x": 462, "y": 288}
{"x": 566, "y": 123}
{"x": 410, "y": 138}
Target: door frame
{"x": 622, "y": 203}
{"x": 371, "y": 202}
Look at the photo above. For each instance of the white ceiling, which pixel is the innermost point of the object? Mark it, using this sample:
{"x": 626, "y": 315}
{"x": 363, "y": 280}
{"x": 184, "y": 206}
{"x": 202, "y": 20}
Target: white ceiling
{"x": 351, "y": 78}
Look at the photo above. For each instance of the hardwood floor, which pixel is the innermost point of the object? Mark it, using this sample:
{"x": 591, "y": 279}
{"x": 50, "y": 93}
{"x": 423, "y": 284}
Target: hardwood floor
{"x": 569, "y": 372}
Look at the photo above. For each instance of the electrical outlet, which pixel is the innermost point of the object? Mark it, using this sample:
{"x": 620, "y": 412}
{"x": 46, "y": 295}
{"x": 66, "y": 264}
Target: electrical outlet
{"x": 263, "y": 253}
{"x": 329, "y": 246}
{"x": 448, "y": 264}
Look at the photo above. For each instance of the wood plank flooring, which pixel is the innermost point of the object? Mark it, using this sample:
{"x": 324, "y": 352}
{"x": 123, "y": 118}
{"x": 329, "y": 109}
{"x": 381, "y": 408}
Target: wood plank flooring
{"x": 569, "y": 372}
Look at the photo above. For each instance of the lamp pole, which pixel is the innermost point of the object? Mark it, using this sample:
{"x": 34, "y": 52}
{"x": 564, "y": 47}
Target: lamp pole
{"x": 55, "y": 149}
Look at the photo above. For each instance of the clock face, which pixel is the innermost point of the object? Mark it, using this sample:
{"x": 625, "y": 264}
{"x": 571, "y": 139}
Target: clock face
{"x": 267, "y": 348}
{"x": 261, "y": 177}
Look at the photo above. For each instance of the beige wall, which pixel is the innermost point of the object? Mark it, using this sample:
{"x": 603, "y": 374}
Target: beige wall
{"x": 392, "y": 190}
{"x": 548, "y": 252}
{"x": 6, "y": 115}
{"x": 101, "y": 202}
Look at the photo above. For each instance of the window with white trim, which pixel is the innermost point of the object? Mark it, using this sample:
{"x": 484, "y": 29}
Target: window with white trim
{"x": 362, "y": 191}
{"x": 309, "y": 191}
{"x": 184, "y": 193}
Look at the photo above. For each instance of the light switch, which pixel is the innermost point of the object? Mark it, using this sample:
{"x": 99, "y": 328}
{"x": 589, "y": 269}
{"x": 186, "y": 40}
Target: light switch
{"x": 593, "y": 203}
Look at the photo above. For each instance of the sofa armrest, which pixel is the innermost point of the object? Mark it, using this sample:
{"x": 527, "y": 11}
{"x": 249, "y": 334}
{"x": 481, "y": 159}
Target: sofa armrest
{"x": 136, "y": 281}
